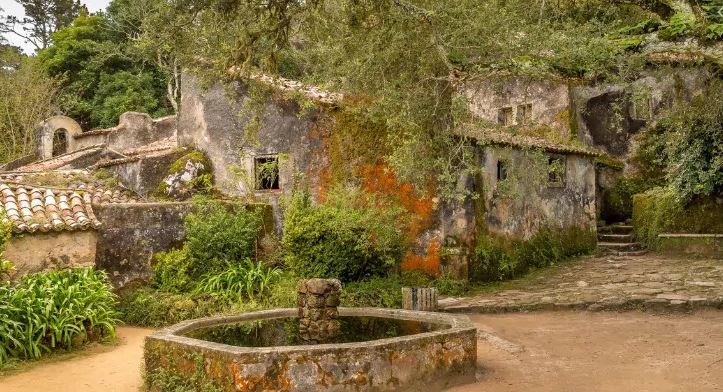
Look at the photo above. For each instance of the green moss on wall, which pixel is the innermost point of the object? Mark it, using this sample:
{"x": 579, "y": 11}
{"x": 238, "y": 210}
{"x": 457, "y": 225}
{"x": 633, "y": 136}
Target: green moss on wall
{"x": 657, "y": 211}
{"x": 501, "y": 258}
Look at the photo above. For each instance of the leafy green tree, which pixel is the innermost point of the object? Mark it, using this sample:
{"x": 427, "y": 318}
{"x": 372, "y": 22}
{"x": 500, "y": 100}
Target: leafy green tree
{"x": 42, "y": 19}
{"x": 104, "y": 73}
{"x": 27, "y": 97}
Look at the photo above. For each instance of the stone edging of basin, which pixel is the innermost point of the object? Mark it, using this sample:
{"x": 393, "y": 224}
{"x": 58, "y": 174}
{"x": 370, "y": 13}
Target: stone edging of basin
{"x": 173, "y": 333}
{"x": 436, "y": 358}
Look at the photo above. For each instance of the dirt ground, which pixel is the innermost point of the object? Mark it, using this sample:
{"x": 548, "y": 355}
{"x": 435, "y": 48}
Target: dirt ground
{"x": 546, "y": 351}
{"x": 584, "y": 351}
{"x": 98, "y": 369}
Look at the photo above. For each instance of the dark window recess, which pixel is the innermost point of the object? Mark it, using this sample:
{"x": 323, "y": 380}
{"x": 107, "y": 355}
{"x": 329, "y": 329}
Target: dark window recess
{"x": 501, "y": 171}
{"x": 524, "y": 113}
{"x": 267, "y": 173}
{"x": 504, "y": 116}
{"x": 556, "y": 170}
{"x": 60, "y": 142}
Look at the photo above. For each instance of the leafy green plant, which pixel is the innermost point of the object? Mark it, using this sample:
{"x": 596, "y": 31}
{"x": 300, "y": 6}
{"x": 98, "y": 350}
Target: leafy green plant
{"x": 245, "y": 279}
{"x": 687, "y": 145}
{"x": 501, "y": 258}
{"x": 349, "y": 236}
{"x": 217, "y": 236}
{"x": 52, "y": 310}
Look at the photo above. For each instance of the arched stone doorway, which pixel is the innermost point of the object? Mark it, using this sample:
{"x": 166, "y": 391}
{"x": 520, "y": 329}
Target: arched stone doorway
{"x": 60, "y": 142}
{"x": 56, "y": 136}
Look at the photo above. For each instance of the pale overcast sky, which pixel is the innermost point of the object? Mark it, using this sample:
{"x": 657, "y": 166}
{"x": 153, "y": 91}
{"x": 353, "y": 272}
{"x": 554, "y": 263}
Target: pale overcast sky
{"x": 14, "y": 8}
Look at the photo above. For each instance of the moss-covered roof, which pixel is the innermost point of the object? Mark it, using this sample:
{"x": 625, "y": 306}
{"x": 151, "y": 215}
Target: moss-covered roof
{"x": 502, "y": 138}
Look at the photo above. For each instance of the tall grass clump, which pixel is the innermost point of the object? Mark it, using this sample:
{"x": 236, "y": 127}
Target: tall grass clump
{"x": 53, "y": 310}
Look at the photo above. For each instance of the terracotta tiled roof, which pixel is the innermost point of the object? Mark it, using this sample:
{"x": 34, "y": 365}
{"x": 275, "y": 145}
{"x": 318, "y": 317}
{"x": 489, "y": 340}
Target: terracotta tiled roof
{"x": 61, "y": 160}
{"x": 158, "y": 146}
{"x": 522, "y": 141}
{"x": 41, "y": 209}
{"x": 77, "y": 181}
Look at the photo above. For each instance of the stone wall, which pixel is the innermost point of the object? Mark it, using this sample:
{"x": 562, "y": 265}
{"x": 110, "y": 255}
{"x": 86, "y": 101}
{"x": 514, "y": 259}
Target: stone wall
{"x": 133, "y": 130}
{"x": 132, "y": 233}
{"x": 609, "y": 116}
{"x": 215, "y": 121}
{"x": 144, "y": 174}
{"x": 528, "y": 201}
{"x": 549, "y": 100}
{"x": 51, "y": 251}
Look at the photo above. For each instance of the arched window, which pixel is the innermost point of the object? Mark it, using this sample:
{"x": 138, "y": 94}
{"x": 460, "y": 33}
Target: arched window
{"x": 60, "y": 142}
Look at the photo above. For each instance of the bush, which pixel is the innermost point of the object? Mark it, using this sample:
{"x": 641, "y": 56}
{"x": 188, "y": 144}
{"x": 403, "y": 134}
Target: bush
{"x": 242, "y": 280}
{"x": 217, "y": 236}
{"x": 688, "y": 145}
{"x": 151, "y": 307}
{"x": 658, "y": 211}
{"x": 52, "y": 310}
{"x": 349, "y": 237}
{"x": 500, "y": 259}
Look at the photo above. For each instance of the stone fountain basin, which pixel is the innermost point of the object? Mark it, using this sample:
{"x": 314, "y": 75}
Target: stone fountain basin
{"x": 425, "y": 361}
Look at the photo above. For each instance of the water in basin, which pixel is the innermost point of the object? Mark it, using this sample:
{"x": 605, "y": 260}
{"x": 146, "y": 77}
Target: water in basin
{"x": 285, "y": 331}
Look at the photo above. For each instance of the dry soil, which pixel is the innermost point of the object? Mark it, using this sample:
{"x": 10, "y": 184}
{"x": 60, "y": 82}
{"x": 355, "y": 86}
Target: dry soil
{"x": 545, "y": 351}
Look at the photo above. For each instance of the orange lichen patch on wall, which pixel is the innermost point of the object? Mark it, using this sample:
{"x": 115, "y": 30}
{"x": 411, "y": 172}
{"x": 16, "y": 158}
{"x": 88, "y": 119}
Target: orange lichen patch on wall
{"x": 429, "y": 263}
{"x": 380, "y": 179}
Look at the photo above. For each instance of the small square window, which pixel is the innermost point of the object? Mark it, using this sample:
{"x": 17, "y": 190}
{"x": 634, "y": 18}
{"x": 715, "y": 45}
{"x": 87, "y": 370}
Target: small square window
{"x": 504, "y": 116}
{"x": 556, "y": 170}
{"x": 524, "y": 113}
{"x": 267, "y": 173}
{"x": 501, "y": 170}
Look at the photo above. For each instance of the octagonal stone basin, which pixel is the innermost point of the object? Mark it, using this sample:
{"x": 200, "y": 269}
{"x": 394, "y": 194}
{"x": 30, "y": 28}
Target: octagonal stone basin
{"x": 444, "y": 355}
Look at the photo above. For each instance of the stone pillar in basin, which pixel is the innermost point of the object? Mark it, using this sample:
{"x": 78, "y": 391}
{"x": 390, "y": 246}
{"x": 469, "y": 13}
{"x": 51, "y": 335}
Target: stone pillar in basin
{"x": 318, "y": 314}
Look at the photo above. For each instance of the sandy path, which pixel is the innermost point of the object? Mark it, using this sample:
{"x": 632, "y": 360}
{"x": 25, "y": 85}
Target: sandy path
{"x": 600, "y": 352}
{"x": 541, "y": 352}
{"x": 106, "y": 369}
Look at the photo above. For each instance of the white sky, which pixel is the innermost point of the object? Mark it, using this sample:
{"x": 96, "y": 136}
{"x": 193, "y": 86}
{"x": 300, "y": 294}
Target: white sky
{"x": 14, "y": 8}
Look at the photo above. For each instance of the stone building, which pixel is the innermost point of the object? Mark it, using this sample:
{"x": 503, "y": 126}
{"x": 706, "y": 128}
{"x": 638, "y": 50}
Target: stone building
{"x": 535, "y": 146}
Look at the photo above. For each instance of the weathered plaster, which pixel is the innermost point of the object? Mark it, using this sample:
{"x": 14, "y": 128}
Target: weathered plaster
{"x": 51, "y": 251}
{"x": 550, "y": 100}
{"x": 533, "y": 204}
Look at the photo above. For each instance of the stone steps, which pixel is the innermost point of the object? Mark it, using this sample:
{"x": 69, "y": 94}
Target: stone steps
{"x": 619, "y": 239}
{"x": 616, "y": 229}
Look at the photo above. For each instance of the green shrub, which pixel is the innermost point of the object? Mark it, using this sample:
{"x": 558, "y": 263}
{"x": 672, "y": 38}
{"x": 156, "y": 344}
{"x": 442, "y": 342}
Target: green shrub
{"x": 500, "y": 258}
{"x": 349, "y": 237}
{"x": 374, "y": 292}
{"x": 245, "y": 279}
{"x": 217, "y": 236}
{"x": 147, "y": 306}
{"x": 687, "y": 145}
{"x": 659, "y": 211}
{"x": 52, "y": 310}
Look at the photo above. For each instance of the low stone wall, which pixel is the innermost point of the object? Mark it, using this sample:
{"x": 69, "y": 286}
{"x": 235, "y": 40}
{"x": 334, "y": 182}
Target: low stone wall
{"x": 427, "y": 361}
{"x": 132, "y": 233}
{"x": 51, "y": 251}
{"x": 144, "y": 175}
{"x": 692, "y": 245}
